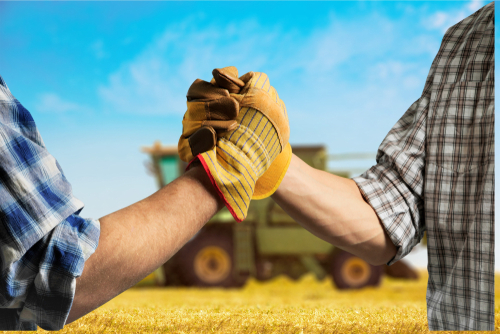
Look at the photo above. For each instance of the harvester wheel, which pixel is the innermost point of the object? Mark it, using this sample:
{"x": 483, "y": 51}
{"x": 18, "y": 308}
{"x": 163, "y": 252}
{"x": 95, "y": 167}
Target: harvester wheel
{"x": 351, "y": 272}
{"x": 208, "y": 260}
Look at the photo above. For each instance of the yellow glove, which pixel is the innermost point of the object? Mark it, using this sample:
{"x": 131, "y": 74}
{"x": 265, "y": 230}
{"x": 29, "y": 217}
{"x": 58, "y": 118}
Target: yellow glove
{"x": 238, "y": 129}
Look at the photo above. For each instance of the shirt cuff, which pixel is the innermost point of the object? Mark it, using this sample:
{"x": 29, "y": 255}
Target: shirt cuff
{"x": 382, "y": 189}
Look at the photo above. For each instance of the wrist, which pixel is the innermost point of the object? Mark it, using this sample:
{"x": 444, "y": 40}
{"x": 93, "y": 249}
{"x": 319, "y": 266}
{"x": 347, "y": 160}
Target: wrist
{"x": 198, "y": 174}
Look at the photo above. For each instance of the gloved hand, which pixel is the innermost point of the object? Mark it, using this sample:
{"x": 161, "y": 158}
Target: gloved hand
{"x": 238, "y": 129}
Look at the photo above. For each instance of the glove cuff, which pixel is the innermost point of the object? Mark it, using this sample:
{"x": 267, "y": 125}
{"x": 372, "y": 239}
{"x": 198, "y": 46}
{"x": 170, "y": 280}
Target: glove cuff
{"x": 227, "y": 191}
{"x": 269, "y": 182}
{"x": 234, "y": 175}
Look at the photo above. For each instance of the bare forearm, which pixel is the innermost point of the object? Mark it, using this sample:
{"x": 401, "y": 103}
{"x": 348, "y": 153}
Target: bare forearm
{"x": 136, "y": 240}
{"x": 332, "y": 208}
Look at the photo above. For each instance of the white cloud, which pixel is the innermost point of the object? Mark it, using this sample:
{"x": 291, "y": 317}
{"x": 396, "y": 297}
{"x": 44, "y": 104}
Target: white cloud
{"x": 52, "y": 103}
{"x": 474, "y": 5}
{"x": 442, "y": 21}
{"x": 142, "y": 87}
{"x": 156, "y": 81}
{"x": 339, "y": 42}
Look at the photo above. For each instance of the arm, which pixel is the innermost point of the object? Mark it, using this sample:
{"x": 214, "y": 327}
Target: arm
{"x": 332, "y": 208}
{"x": 136, "y": 240}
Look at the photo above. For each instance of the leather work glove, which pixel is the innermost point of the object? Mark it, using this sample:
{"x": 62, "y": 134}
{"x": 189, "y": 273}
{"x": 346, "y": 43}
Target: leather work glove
{"x": 238, "y": 129}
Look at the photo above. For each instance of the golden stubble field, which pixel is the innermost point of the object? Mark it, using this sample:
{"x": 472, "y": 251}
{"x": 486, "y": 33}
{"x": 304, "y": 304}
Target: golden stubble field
{"x": 277, "y": 306}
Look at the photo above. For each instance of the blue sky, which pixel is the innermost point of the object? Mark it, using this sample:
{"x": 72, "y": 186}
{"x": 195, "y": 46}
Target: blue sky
{"x": 103, "y": 79}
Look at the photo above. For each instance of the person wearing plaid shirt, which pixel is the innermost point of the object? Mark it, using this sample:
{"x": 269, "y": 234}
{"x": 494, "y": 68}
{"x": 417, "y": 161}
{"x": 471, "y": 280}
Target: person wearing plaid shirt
{"x": 57, "y": 266}
{"x": 434, "y": 173}
{"x": 43, "y": 240}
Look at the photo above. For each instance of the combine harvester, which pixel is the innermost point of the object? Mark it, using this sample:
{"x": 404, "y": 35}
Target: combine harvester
{"x": 268, "y": 243}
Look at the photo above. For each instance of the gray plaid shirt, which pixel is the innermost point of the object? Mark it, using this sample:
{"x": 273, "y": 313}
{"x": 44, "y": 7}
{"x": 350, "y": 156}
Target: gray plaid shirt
{"x": 435, "y": 173}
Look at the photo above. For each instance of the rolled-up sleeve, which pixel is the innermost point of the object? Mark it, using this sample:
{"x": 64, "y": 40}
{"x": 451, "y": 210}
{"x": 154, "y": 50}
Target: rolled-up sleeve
{"x": 47, "y": 273}
{"x": 394, "y": 186}
{"x": 44, "y": 242}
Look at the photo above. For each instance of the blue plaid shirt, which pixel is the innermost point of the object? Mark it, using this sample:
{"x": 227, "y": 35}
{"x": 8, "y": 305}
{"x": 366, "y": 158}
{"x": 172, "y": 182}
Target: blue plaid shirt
{"x": 43, "y": 240}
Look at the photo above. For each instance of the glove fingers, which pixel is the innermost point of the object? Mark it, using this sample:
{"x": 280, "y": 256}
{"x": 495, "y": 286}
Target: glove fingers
{"x": 226, "y": 108}
{"x": 231, "y": 71}
{"x": 202, "y": 140}
{"x": 227, "y": 78}
{"x": 218, "y": 104}
{"x": 247, "y": 76}
{"x": 204, "y": 91}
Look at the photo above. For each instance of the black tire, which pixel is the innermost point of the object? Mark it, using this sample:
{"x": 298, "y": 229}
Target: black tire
{"x": 351, "y": 272}
{"x": 208, "y": 260}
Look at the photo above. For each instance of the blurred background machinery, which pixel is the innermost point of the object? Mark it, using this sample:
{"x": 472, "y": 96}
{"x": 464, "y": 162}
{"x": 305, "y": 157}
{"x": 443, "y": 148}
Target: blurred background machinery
{"x": 268, "y": 243}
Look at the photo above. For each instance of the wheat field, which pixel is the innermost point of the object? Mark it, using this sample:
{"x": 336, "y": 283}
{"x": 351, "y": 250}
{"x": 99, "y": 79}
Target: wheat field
{"x": 277, "y": 306}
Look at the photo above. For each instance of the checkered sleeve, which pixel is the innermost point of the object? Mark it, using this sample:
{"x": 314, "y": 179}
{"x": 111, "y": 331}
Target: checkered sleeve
{"x": 43, "y": 240}
{"x": 394, "y": 186}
